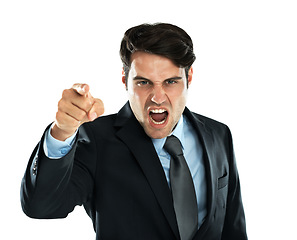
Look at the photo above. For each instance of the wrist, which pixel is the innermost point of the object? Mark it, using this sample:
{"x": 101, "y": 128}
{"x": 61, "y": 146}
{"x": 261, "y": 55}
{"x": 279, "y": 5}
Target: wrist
{"x": 61, "y": 134}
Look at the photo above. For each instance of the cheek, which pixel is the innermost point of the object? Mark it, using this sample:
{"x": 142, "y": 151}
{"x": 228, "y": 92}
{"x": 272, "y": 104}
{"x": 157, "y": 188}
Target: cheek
{"x": 137, "y": 101}
{"x": 136, "y": 97}
{"x": 178, "y": 97}
{"x": 141, "y": 95}
{"x": 178, "y": 102}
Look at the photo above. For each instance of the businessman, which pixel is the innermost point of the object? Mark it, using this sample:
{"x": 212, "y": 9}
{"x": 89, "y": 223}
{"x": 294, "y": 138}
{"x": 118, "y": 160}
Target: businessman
{"x": 155, "y": 170}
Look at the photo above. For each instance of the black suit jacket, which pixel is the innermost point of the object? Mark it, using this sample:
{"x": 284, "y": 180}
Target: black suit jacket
{"x": 114, "y": 171}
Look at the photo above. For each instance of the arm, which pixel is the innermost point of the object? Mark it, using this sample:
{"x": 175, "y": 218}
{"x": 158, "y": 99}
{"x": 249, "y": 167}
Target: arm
{"x": 54, "y": 148}
{"x": 234, "y": 226}
{"x": 51, "y": 188}
{"x": 56, "y": 186}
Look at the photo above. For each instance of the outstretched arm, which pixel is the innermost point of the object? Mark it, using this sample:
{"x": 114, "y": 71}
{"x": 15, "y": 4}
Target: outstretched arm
{"x": 51, "y": 188}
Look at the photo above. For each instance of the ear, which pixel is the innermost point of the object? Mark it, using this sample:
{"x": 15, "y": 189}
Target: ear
{"x": 190, "y": 76}
{"x": 124, "y": 78}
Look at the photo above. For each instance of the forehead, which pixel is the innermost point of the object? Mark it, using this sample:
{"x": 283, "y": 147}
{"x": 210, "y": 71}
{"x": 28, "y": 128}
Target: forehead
{"x": 153, "y": 66}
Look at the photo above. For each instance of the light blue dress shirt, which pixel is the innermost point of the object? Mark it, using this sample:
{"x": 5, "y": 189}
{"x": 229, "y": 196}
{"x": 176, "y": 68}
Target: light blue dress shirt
{"x": 193, "y": 154}
{"x": 56, "y": 149}
{"x": 192, "y": 151}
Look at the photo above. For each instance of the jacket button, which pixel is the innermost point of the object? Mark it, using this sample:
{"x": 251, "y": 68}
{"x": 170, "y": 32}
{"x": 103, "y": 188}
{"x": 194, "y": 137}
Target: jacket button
{"x": 34, "y": 170}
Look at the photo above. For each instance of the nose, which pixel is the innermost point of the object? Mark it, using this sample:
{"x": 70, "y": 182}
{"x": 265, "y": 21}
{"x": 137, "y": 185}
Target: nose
{"x": 159, "y": 95}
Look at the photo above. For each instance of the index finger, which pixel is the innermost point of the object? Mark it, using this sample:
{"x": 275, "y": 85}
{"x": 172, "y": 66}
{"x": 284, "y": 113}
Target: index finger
{"x": 81, "y": 88}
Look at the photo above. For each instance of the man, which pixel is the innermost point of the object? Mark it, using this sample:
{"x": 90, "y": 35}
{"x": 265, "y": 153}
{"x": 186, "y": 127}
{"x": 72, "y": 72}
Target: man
{"x": 124, "y": 167}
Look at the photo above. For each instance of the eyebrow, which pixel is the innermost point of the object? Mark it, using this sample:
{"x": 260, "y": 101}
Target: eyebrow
{"x": 140, "y": 78}
{"x": 143, "y": 78}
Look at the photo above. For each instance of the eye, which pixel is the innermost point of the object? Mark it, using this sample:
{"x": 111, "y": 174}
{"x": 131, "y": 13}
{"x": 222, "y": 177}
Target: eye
{"x": 171, "y": 81}
{"x": 142, "y": 83}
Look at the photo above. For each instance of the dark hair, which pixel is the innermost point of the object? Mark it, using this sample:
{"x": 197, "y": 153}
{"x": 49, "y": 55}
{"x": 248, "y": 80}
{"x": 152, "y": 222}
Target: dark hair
{"x": 162, "y": 39}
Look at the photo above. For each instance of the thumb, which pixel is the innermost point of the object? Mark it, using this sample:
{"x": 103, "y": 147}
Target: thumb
{"x": 96, "y": 110}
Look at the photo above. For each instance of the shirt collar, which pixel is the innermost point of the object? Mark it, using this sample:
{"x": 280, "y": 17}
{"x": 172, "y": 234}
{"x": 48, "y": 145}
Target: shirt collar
{"x": 178, "y": 132}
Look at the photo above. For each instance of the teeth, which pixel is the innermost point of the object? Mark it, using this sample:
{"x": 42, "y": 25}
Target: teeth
{"x": 158, "y": 110}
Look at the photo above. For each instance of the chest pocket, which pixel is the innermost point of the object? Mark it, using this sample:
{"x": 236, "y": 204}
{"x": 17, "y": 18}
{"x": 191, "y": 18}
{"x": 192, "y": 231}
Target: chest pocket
{"x": 222, "y": 191}
{"x": 222, "y": 182}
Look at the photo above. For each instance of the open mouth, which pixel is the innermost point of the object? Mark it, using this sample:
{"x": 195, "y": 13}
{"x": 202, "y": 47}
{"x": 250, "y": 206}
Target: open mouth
{"x": 158, "y": 116}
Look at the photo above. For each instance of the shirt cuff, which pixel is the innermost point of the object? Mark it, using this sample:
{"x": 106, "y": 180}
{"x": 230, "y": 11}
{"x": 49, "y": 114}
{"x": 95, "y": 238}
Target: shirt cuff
{"x": 55, "y": 149}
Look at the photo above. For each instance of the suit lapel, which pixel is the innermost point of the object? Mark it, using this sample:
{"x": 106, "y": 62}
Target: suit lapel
{"x": 206, "y": 139}
{"x": 133, "y": 135}
{"x": 141, "y": 146}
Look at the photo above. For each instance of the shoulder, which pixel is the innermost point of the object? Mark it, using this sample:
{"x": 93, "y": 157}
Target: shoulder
{"x": 218, "y": 131}
{"x": 204, "y": 121}
{"x": 208, "y": 121}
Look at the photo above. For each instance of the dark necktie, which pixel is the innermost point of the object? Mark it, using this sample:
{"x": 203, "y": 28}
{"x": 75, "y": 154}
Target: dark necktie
{"x": 183, "y": 191}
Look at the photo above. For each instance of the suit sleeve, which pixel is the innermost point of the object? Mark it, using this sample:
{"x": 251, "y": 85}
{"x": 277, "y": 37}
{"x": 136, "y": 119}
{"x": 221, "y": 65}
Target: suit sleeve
{"x": 234, "y": 226}
{"x": 51, "y": 188}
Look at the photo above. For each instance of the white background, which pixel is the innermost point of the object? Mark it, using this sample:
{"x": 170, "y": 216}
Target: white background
{"x": 245, "y": 76}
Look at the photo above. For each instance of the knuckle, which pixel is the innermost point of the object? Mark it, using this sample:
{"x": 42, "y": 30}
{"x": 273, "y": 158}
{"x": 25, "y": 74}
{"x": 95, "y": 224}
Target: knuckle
{"x": 60, "y": 104}
{"x": 73, "y": 122}
{"x": 99, "y": 107}
{"x": 63, "y": 105}
{"x": 81, "y": 115}
{"x": 87, "y": 104}
{"x": 65, "y": 93}
{"x": 58, "y": 115}
{"x": 60, "y": 119}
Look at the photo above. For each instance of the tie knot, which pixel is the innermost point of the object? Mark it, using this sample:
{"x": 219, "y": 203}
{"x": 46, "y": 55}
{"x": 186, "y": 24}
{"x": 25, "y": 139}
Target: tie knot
{"x": 173, "y": 146}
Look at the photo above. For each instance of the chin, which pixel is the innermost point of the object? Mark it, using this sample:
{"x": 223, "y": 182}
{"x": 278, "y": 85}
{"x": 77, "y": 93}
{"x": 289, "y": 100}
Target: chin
{"x": 157, "y": 134}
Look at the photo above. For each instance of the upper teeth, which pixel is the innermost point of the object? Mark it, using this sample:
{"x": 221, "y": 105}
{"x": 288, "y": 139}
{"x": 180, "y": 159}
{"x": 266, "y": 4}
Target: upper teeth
{"x": 158, "y": 110}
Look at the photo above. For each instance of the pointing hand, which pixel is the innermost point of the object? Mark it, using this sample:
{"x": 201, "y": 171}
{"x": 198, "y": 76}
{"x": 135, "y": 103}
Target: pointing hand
{"x": 76, "y": 107}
